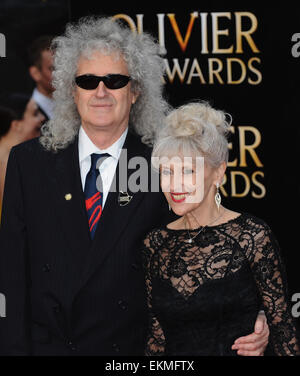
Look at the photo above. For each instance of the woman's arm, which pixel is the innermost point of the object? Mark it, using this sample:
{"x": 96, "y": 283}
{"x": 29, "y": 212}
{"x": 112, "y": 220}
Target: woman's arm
{"x": 270, "y": 276}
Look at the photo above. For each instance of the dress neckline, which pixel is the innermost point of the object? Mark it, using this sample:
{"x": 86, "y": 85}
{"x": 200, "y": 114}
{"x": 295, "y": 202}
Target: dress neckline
{"x": 235, "y": 219}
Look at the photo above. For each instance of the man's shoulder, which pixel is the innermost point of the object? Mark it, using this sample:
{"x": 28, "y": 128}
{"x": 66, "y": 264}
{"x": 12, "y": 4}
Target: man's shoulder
{"x": 33, "y": 152}
{"x": 31, "y": 149}
{"x": 34, "y": 146}
{"x": 28, "y": 146}
{"x": 135, "y": 145}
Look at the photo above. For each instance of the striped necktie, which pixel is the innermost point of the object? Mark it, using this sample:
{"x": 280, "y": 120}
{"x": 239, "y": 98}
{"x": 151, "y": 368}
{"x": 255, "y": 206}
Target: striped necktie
{"x": 93, "y": 192}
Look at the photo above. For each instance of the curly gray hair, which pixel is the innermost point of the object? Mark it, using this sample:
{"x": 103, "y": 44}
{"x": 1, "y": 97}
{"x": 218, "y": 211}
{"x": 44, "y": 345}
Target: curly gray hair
{"x": 145, "y": 66}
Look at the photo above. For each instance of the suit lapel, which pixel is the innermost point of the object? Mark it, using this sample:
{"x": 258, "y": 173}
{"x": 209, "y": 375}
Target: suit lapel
{"x": 71, "y": 208}
{"x": 114, "y": 218}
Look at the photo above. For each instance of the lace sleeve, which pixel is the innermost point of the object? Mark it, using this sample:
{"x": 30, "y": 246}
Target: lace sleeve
{"x": 155, "y": 340}
{"x": 269, "y": 273}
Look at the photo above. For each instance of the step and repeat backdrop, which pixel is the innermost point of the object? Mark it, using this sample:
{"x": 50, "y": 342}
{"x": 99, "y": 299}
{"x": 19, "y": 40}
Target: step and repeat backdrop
{"x": 243, "y": 59}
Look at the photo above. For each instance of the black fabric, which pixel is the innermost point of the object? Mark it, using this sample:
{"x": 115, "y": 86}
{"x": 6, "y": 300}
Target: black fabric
{"x": 202, "y": 296}
{"x": 66, "y": 294}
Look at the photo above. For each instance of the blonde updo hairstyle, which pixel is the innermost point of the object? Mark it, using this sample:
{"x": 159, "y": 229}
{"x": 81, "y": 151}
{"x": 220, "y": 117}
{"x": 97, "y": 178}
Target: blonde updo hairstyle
{"x": 194, "y": 129}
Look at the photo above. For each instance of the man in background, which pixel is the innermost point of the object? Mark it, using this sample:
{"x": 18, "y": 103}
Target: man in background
{"x": 40, "y": 59}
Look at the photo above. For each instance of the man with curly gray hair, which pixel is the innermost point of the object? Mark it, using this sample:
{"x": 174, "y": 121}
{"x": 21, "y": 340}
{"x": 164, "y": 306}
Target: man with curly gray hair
{"x": 70, "y": 265}
{"x": 139, "y": 54}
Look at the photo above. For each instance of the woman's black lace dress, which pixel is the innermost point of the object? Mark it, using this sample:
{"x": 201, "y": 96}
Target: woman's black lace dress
{"x": 202, "y": 296}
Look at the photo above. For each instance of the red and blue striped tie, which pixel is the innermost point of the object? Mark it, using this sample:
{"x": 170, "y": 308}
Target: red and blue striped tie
{"x": 94, "y": 193}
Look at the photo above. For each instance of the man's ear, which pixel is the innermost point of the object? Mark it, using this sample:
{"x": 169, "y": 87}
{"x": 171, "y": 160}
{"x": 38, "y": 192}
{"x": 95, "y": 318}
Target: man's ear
{"x": 74, "y": 95}
{"x": 135, "y": 97}
{"x": 34, "y": 73}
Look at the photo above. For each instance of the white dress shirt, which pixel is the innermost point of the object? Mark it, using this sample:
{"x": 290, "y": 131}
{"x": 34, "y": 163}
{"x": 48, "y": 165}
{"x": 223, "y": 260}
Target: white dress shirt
{"x": 44, "y": 102}
{"x": 107, "y": 169}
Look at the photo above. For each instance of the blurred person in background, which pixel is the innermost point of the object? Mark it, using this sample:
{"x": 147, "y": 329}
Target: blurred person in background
{"x": 20, "y": 120}
{"x": 40, "y": 58}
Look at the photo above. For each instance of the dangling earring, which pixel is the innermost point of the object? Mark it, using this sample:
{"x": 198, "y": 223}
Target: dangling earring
{"x": 218, "y": 197}
{"x": 169, "y": 207}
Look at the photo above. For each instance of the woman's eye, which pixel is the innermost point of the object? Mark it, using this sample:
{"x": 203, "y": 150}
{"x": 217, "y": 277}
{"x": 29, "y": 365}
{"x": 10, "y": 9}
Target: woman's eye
{"x": 188, "y": 171}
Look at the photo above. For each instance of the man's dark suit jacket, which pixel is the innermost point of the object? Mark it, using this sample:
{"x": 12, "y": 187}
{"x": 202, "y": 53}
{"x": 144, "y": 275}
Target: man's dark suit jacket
{"x": 66, "y": 294}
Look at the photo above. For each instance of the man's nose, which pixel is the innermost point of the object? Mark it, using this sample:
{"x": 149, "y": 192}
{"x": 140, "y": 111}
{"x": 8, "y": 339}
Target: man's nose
{"x": 101, "y": 90}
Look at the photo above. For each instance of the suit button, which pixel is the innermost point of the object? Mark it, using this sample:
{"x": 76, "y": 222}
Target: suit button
{"x": 46, "y": 268}
{"x": 122, "y": 304}
{"x": 116, "y": 347}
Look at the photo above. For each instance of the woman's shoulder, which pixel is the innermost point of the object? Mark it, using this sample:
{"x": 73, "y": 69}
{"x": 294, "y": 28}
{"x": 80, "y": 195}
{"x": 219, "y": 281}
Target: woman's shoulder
{"x": 251, "y": 220}
{"x": 259, "y": 229}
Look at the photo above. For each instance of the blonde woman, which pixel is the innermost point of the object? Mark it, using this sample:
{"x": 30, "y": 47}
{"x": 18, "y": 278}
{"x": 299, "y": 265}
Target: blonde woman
{"x": 210, "y": 271}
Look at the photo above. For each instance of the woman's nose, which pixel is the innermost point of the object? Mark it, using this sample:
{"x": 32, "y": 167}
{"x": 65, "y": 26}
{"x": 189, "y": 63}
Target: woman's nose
{"x": 176, "y": 183}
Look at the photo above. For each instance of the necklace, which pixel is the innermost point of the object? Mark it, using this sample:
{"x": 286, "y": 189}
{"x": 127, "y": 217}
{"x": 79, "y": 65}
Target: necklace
{"x": 190, "y": 239}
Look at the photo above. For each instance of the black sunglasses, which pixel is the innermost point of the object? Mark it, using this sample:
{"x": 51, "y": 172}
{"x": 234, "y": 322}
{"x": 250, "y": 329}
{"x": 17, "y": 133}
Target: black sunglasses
{"x": 111, "y": 81}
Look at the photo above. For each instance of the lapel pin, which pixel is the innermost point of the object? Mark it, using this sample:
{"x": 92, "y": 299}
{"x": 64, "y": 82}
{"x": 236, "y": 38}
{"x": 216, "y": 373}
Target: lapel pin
{"x": 124, "y": 198}
{"x": 68, "y": 197}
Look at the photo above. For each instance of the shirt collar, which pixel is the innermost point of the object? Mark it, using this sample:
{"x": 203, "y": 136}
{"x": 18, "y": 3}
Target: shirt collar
{"x": 46, "y": 102}
{"x": 86, "y": 146}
